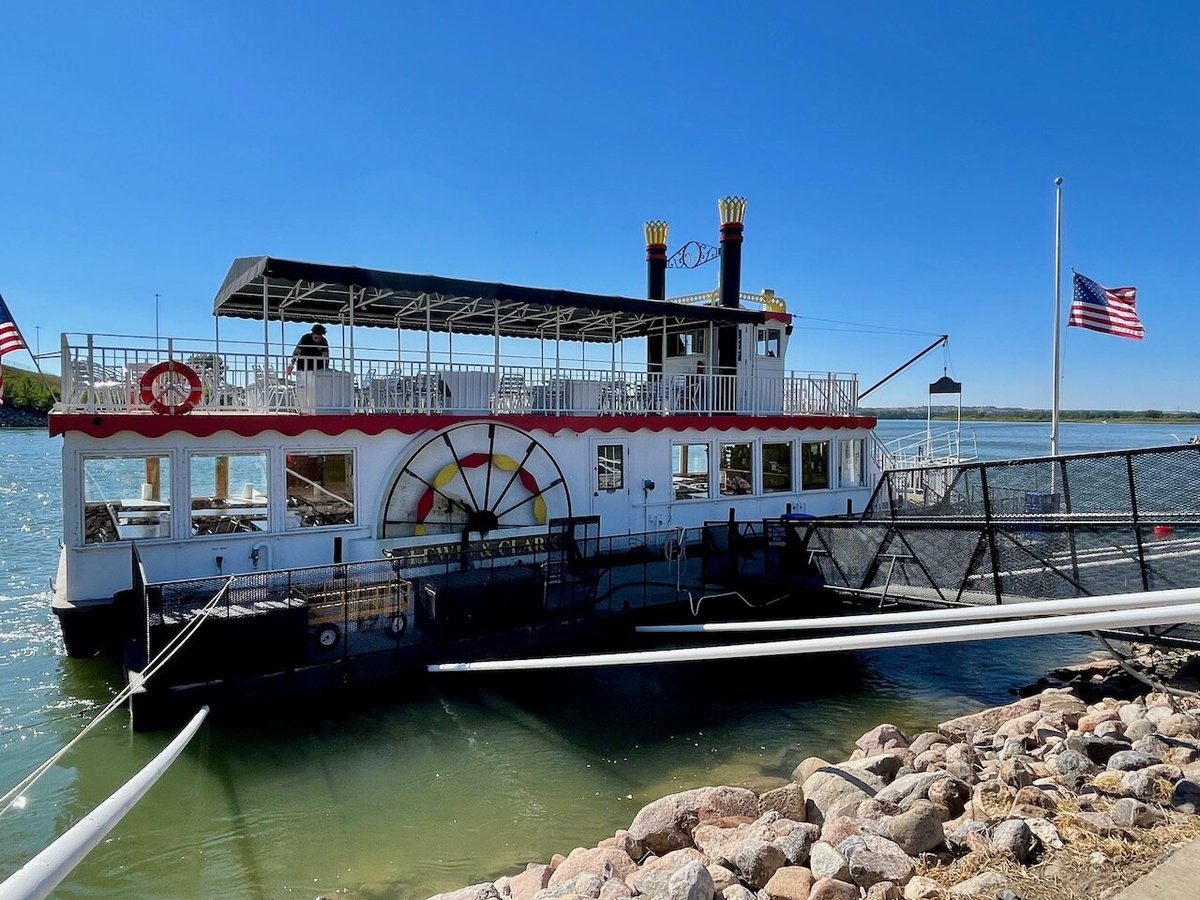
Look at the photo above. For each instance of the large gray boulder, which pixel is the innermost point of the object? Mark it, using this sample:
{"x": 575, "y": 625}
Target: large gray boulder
{"x": 869, "y": 868}
{"x": 653, "y": 878}
{"x": 917, "y": 830}
{"x": 1131, "y": 761}
{"x": 1186, "y": 796}
{"x": 1130, "y": 812}
{"x": 881, "y": 738}
{"x": 692, "y": 882}
{"x": 834, "y": 789}
{"x": 757, "y": 861}
{"x": 788, "y": 801}
{"x": 533, "y": 879}
{"x": 987, "y": 721}
{"x": 667, "y": 824}
{"x": 585, "y": 884}
{"x": 796, "y": 846}
{"x": 1015, "y": 838}
{"x": 598, "y": 861}
{"x": 908, "y": 788}
{"x": 825, "y": 862}
{"x": 720, "y": 843}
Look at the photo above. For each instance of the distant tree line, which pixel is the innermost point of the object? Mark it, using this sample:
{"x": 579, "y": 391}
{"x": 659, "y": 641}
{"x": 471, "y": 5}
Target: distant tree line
{"x": 1005, "y": 414}
{"x": 26, "y": 391}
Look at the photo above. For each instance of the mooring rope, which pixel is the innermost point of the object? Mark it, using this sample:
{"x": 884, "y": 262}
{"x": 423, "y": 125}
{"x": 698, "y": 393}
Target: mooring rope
{"x": 1123, "y": 662}
{"x": 163, "y": 657}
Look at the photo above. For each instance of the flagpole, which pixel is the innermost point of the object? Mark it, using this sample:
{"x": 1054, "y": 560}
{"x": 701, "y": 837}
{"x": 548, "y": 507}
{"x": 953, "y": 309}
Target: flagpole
{"x": 1057, "y": 316}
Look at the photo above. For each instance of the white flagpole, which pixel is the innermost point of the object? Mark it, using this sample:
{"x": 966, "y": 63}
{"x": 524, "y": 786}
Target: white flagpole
{"x": 1057, "y": 316}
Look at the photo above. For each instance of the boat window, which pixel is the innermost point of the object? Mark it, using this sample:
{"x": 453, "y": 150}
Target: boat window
{"x": 814, "y": 465}
{"x": 736, "y": 474}
{"x": 685, "y": 343}
{"x": 126, "y": 498}
{"x": 777, "y": 467}
{"x": 228, "y": 492}
{"x": 851, "y": 471}
{"x": 768, "y": 342}
{"x": 610, "y": 467}
{"x": 689, "y": 471}
{"x": 320, "y": 489}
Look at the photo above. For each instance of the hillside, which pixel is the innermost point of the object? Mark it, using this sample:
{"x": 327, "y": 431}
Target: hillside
{"x": 26, "y": 397}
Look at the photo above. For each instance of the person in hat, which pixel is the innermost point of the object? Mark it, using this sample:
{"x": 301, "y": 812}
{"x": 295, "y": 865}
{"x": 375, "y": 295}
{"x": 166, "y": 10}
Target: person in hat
{"x": 312, "y": 351}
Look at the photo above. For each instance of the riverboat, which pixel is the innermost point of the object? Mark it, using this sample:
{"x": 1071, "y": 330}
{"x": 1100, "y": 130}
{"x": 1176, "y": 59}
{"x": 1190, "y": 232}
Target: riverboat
{"x": 348, "y": 511}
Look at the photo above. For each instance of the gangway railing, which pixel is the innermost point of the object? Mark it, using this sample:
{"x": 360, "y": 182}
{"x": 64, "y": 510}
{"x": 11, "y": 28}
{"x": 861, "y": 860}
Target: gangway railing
{"x": 1014, "y": 531}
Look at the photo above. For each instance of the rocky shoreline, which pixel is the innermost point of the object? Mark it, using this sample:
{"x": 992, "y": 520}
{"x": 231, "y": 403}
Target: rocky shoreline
{"x": 11, "y": 417}
{"x": 1072, "y": 791}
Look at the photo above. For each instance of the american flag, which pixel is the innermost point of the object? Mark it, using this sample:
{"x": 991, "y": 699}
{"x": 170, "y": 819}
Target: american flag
{"x": 1110, "y": 310}
{"x": 10, "y": 339}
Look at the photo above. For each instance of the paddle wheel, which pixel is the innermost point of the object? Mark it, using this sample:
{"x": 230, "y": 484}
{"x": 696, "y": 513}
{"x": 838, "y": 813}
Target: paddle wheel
{"x": 477, "y": 477}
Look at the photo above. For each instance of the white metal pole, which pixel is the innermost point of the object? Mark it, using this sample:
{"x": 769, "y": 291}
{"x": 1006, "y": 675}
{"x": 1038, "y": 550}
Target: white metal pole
{"x": 352, "y": 331}
{"x": 38, "y": 877}
{"x": 1054, "y": 397}
{"x": 942, "y": 616}
{"x": 266, "y": 327}
{"x": 986, "y": 631}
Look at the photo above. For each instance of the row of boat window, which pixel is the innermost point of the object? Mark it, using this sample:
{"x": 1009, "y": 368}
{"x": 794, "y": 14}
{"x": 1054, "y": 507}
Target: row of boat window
{"x": 739, "y": 465}
{"x": 129, "y": 497}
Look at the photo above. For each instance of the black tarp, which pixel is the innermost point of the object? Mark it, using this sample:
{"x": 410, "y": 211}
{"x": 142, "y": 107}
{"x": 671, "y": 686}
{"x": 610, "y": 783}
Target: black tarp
{"x": 316, "y": 292}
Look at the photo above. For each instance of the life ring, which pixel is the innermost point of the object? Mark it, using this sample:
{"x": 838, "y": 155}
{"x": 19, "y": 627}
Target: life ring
{"x": 155, "y": 401}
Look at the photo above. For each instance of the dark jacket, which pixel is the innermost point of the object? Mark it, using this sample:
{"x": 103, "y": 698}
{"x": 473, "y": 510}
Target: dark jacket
{"x": 312, "y": 352}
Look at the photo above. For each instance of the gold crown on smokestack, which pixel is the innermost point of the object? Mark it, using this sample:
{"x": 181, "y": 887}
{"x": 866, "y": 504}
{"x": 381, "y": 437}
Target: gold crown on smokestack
{"x": 733, "y": 210}
{"x": 656, "y": 231}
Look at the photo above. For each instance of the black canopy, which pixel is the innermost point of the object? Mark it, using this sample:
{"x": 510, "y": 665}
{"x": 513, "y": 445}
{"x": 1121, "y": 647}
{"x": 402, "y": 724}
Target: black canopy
{"x": 315, "y": 292}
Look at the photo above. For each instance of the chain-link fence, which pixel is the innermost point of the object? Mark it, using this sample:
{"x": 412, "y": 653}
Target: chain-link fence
{"x": 999, "y": 532}
{"x": 417, "y": 597}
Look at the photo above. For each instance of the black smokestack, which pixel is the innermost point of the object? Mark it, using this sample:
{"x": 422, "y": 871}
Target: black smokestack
{"x": 733, "y": 211}
{"x": 656, "y": 284}
{"x": 733, "y": 214}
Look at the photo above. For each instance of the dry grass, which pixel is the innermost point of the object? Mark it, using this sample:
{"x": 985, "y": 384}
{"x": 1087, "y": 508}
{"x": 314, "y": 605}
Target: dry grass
{"x": 1071, "y": 873}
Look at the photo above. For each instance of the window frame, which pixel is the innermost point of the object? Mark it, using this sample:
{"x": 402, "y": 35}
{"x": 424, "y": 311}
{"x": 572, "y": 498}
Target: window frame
{"x": 354, "y": 493}
{"x": 862, "y": 462}
{"x": 708, "y": 457}
{"x": 791, "y": 472}
{"x": 749, "y": 445}
{"x": 828, "y": 464}
{"x": 84, "y": 457}
{"x": 763, "y": 340}
{"x": 269, "y": 472}
{"x": 619, "y": 446}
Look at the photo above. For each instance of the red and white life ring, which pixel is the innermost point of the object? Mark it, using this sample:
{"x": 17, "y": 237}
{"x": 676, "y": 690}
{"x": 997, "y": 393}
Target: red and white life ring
{"x": 158, "y": 399}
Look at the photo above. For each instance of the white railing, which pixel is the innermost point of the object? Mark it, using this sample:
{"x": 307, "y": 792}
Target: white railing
{"x": 104, "y": 376}
{"x": 921, "y": 449}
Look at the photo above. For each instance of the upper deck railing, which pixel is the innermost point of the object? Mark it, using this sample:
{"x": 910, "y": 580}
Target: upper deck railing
{"x": 103, "y": 373}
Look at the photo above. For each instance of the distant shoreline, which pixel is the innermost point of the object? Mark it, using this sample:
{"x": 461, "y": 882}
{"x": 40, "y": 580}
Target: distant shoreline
{"x": 1042, "y": 417}
{"x": 11, "y": 417}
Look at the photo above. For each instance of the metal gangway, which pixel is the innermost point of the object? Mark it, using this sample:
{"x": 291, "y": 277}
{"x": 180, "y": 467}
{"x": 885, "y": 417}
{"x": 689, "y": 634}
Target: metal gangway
{"x": 1019, "y": 531}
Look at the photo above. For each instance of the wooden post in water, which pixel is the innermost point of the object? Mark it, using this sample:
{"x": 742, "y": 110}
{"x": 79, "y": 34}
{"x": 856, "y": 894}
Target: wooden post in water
{"x": 222, "y": 481}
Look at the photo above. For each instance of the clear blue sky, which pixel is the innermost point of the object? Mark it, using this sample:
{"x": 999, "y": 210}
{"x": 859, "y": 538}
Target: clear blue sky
{"x": 898, "y": 159}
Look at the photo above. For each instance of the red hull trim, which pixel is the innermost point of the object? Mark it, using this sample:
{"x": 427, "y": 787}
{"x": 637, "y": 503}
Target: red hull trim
{"x": 105, "y": 426}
